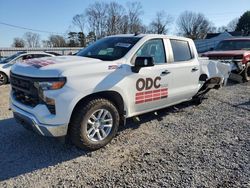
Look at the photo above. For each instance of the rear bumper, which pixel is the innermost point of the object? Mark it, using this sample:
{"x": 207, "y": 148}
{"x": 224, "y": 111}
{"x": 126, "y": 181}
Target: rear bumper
{"x": 30, "y": 122}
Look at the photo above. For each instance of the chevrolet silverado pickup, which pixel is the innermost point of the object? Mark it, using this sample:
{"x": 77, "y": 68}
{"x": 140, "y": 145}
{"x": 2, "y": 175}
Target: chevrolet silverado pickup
{"x": 87, "y": 96}
{"x": 235, "y": 51}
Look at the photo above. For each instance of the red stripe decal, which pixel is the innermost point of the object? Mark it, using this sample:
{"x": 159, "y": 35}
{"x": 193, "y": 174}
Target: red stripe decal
{"x": 150, "y": 95}
{"x": 147, "y": 96}
{"x": 156, "y": 91}
{"x": 148, "y": 100}
{"x": 148, "y": 92}
{"x": 139, "y": 98}
{"x": 139, "y": 94}
{"x": 164, "y": 89}
{"x": 157, "y": 95}
{"x": 139, "y": 102}
{"x": 156, "y": 98}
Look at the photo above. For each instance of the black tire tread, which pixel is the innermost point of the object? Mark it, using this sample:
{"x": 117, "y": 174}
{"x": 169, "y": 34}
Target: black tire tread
{"x": 77, "y": 118}
{"x": 6, "y": 78}
{"x": 244, "y": 74}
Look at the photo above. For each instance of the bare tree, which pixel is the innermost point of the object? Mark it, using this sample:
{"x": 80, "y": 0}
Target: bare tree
{"x": 32, "y": 39}
{"x": 193, "y": 25}
{"x": 160, "y": 24}
{"x": 231, "y": 26}
{"x": 124, "y": 24}
{"x": 97, "y": 18}
{"x": 57, "y": 41}
{"x": 116, "y": 13}
{"x": 18, "y": 43}
{"x": 134, "y": 16}
{"x": 79, "y": 21}
{"x": 221, "y": 29}
{"x": 46, "y": 44}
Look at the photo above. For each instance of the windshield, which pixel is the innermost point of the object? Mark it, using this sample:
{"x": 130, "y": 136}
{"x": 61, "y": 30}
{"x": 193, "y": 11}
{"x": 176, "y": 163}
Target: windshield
{"x": 8, "y": 59}
{"x": 111, "y": 48}
{"x": 233, "y": 45}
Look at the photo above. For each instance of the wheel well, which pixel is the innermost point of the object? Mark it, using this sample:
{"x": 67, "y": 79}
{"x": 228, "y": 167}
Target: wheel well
{"x": 203, "y": 77}
{"x": 112, "y": 96}
{"x": 212, "y": 83}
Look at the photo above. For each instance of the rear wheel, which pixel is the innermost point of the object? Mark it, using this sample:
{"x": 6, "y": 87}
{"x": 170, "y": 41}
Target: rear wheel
{"x": 246, "y": 72}
{"x": 94, "y": 124}
{"x": 3, "y": 78}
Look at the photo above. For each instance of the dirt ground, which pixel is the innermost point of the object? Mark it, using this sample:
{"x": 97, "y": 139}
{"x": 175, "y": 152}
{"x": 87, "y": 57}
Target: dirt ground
{"x": 182, "y": 146}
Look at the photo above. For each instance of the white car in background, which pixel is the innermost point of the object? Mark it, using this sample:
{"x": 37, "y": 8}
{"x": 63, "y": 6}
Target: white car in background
{"x": 6, "y": 64}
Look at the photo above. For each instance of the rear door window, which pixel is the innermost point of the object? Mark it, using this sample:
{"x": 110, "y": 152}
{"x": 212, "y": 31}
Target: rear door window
{"x": 181, "y": 50}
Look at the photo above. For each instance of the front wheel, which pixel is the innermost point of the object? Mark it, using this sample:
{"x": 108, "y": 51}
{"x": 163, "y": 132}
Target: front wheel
{"x": 246, "y": 72}
{"x": 94, "y": 124}
{"x": 3, "y": 78}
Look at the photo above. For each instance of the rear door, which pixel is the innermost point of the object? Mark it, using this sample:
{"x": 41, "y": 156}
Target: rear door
{"x": 184, "y": 68}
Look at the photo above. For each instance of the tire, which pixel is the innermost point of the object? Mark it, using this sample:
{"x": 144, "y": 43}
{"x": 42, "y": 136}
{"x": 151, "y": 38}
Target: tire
{"x": 3, "y": 79}
{"x": 246, "y": 73}
{"x": 84, "y": 128}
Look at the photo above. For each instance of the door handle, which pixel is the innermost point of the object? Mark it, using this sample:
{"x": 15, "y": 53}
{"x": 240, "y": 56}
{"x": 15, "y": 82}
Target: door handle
{"x": 194, "y": 69}
{"x": 165, "y": 72}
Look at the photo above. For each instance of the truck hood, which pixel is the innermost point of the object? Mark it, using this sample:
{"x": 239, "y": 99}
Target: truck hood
{"x": 224, "y": 53}
{"x": 51, "y": 66}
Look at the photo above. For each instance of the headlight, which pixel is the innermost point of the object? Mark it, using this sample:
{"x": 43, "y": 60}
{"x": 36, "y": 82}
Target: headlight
{"x": 50, "y": 85}
{"x": 45, "y": 84}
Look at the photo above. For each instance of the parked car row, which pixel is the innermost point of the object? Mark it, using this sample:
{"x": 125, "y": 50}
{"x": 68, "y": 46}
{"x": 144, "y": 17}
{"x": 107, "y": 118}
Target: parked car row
{"x": 6, "y": 64}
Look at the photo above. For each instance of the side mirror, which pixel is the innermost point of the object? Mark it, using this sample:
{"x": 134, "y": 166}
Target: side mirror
{"x": 211, "y": 49}
{"x": 141, "y": 62}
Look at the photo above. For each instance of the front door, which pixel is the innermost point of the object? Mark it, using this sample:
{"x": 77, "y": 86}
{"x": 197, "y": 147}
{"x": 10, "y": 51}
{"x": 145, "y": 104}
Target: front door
{"x": 149, "y": 88}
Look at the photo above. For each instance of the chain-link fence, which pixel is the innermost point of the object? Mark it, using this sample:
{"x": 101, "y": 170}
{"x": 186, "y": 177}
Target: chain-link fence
{"x": 4, "y": 52}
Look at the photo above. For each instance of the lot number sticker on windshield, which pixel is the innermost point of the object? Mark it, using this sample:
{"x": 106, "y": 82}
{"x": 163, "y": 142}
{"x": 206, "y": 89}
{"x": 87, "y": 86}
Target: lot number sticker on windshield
{"x": 124, "y": 45}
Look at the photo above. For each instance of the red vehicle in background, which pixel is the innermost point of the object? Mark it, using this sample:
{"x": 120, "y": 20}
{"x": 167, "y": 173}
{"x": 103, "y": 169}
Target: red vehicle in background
{"x": 236, "y": 50}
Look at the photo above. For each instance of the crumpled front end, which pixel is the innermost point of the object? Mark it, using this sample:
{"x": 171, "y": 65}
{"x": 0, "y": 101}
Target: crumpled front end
{"x": 214, "y": 69}
{"x": 214, "y": 74}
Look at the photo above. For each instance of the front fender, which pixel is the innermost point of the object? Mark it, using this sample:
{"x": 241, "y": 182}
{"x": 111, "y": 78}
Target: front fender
{"x": 215, "y": 70}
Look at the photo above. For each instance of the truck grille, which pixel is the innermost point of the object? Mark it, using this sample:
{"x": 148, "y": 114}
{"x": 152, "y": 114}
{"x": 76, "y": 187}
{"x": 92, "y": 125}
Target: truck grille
{"x": 23, "y": 90}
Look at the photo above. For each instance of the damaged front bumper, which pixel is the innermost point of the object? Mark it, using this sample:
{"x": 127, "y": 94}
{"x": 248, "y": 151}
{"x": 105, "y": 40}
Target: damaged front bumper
{"x": 235, "y": 65}
{"x": 30, "y": 122}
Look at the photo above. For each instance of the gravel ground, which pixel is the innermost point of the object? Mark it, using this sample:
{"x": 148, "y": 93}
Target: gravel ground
{"x": 183, "y": 146}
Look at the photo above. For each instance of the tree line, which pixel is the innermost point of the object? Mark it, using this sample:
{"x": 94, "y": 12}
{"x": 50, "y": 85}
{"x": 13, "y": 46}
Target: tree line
{"x": 102, "y": 19}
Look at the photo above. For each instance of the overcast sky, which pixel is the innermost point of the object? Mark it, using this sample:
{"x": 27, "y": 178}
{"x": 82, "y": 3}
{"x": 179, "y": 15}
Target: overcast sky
{"x": 56, "y": 15}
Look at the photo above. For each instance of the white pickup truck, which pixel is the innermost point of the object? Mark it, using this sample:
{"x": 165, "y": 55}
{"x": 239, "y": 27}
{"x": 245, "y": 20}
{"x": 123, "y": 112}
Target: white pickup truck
{"x": 89, "y": 95}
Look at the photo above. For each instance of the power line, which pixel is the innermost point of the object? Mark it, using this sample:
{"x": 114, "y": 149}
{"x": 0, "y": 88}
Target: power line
{"x": 25, "y": 28}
